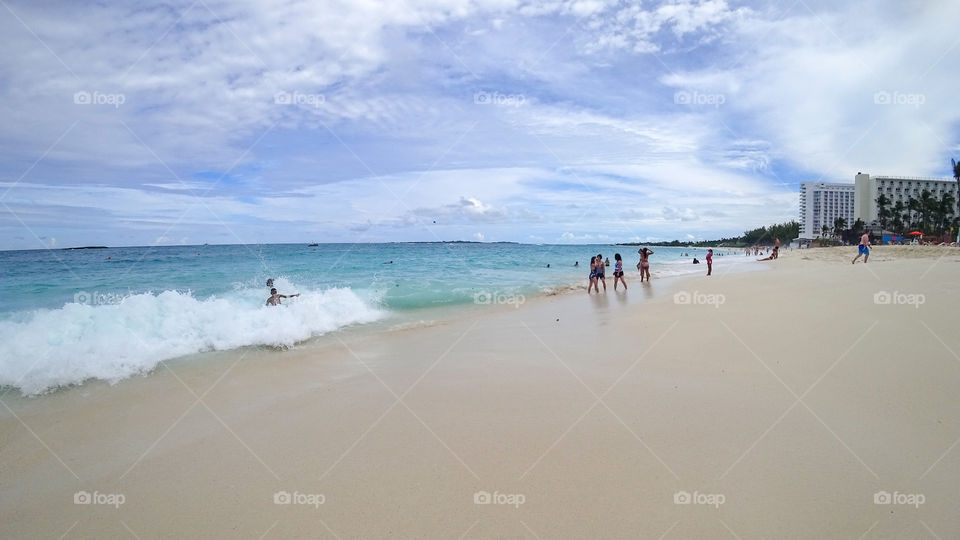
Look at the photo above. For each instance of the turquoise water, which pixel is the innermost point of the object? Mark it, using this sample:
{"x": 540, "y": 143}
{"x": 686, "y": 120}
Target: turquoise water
{"x": 70, "y": 315}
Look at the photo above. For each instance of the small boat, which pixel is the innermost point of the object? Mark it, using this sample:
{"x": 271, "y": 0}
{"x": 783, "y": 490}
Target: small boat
{"x": 313, "y": 245}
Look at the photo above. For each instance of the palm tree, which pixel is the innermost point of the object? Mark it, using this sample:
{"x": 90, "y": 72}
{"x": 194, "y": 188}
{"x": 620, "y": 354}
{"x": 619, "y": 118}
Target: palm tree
{"x": 913, "y": 206}
{"x": 943, "y": 213}
{"x": 897, "y": 221}
{"x": 839, "y": 225}
{"x": 956, "y": 174}
{"x": 928, "y": 205}
{"x": 824, "y": 231}
{"x": 883, "y": 211}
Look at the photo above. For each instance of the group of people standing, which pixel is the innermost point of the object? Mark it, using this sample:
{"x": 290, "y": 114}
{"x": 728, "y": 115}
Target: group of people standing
{"x": 598, "y": 269}
{"x": 598, "y": 273}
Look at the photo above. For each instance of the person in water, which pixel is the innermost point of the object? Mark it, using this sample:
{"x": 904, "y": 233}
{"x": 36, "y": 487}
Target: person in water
{"x": 275, "y": 297}
{"x": 618, "y": 272}
{"x": 644, "y": 264}
{"x": 270, "y": 283}
{"x": 592, "y": 283}
{"x": 709, "y": 262}
{"x": 602, "y": 272}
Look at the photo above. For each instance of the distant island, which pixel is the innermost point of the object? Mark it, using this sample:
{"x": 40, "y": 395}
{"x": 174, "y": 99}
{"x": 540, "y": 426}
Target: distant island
{"x": 85, "y": 247}
{"x": 457, "y": 242}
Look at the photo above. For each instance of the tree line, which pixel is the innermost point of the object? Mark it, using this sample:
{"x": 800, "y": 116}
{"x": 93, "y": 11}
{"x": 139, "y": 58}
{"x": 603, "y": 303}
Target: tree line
{"x": 759, "y": 236}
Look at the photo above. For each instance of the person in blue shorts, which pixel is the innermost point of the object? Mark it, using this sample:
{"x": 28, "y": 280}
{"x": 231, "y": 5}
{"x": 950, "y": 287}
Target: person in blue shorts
{"x": 863, "y": 249}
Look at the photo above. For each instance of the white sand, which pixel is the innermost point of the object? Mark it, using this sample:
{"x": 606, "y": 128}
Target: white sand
{"x": 794, "y": 402}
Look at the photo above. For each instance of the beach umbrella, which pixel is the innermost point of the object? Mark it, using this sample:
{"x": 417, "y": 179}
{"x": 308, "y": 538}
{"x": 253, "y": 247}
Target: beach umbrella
{"x": 915, "y": 233}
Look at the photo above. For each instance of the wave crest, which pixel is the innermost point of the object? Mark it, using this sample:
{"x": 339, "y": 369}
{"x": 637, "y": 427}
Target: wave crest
{"x": 46, "y": 349}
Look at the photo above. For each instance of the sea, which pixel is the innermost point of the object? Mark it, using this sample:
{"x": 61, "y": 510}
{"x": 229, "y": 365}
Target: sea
{"x": 72, "y": 315}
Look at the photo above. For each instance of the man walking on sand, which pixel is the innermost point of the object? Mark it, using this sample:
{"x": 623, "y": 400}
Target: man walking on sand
{"x": 863, "y": 248}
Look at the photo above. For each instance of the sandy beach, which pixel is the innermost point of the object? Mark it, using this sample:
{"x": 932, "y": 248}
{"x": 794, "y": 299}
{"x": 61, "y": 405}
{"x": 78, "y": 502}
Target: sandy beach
{"x": 816, "y": 399}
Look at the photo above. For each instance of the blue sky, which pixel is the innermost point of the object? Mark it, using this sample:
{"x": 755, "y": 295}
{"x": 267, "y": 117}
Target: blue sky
{"x": 133, "y": 123}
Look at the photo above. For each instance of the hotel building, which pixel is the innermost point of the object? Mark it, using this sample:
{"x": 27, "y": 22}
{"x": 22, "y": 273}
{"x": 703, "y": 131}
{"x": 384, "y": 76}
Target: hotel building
{"x": 821, "y": 203}
{"x": 896, "y": 188}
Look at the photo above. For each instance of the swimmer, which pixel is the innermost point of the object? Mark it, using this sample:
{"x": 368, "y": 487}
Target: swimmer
{"x": 275, "y": 297}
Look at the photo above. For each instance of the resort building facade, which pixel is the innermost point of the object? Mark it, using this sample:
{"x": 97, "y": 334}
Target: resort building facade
{"x": 821, "y": 203}
{"x": 896, "y": 188}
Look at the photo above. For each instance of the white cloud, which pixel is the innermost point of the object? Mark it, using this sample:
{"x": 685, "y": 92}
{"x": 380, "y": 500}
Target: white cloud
{"x": 599, "y": 146}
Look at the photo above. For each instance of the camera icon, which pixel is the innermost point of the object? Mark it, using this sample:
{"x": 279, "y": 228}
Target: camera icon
{"x": 681, "y": 497}
{"x": 81, "y": 98}
{"x": 82, "y": 497}
{"x": 682, "y": 298}
{"x": 682, "y": 98}
{"x": 82, "y": 297}
{"x": 281, "y": 497}
{"x": 482, "y": 98}
{"x": 881, "y": 98}
{"x": 282, "y": 98}
{"x": 882, "y": 298}
{"x": 482, "y": 497}
{"x": 882, "y": 497}
{"x": 482, "y": 298}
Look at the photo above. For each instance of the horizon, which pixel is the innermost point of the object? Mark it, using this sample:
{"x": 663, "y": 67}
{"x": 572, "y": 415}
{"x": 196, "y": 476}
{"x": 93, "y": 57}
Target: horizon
{"x": 151, "y": 246}
{"x": 571, "y": 122}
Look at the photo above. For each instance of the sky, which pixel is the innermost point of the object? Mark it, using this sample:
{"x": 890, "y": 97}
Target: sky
{"x": 560, "y": 121}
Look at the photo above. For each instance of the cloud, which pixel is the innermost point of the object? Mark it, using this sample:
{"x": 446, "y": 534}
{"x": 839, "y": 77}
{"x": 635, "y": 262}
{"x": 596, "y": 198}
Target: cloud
{"x": 378, "y": 135}
{"x": 672, "y": 214}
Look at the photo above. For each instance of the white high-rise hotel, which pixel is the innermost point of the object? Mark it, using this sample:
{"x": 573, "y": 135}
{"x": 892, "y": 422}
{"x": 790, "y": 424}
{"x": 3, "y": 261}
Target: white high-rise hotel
{"x": 821, "y": 203}
{"x": 896, "y": 188}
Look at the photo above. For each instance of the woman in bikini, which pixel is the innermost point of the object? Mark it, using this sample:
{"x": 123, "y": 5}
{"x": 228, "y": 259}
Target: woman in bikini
{"x": 593, "y": 275}
{"x": 618, "y": 272}
{"x": 644, "y": 264}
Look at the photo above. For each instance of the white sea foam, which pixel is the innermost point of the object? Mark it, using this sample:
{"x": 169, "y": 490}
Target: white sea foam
{"x": 45, "y": 349}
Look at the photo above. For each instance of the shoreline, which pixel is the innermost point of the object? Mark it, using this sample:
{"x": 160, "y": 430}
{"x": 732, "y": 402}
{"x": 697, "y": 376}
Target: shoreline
{"x": 425, "y": 317}
{"x": 408, "y": 319}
